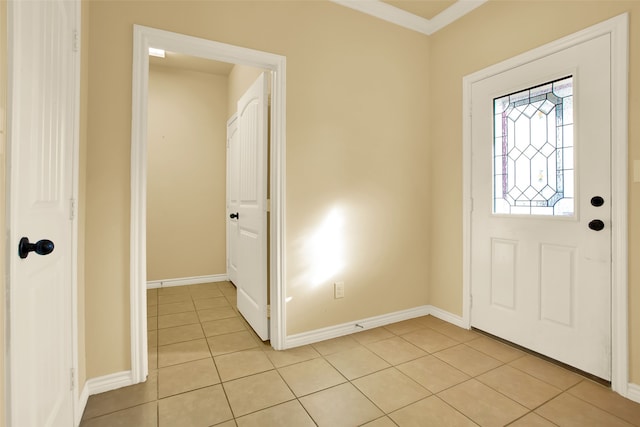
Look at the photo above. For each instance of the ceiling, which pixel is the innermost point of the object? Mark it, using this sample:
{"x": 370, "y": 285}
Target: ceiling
{"x": 424, "y": 16}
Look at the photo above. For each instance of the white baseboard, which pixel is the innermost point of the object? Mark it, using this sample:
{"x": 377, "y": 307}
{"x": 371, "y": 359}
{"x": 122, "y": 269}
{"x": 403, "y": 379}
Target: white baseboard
{"x": 100, "y": 385}
{"x": 184, "y": 281}
{"x": 108, "y": 382}
{"x": 446, "y": 316}
{"x": 335, "y": 331}
{"x": 633, "y": 392}
{"x": 81, "y": 403}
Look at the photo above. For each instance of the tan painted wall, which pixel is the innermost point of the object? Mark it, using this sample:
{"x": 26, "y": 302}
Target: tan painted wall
{"x": 357, "y": 158}
{"x": 495, "y": 32}
{"x": 3, "y": 240}
{"x": 186, "y": 175}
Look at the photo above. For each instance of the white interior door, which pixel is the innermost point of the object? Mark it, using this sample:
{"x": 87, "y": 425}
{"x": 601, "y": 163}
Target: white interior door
{"x": 540, "y": 275}
{"x": 43, "y": 88}
{"x": 251, "y": 214}
{"x": 233, "y": 186}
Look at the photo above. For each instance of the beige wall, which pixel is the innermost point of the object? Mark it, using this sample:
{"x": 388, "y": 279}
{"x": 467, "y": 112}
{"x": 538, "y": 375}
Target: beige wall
{"x": 3, "y": 242}
{"x": 373, "y": 172}
{"x": 186, "y": 174}
{"x": 494, "y": 32}
{"x": 357, "y": 158}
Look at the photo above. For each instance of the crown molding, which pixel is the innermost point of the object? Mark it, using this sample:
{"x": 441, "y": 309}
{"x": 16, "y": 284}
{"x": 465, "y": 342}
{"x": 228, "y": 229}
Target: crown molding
{"x": 408, "y": 20}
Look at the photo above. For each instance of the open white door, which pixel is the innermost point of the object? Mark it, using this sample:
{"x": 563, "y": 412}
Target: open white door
{"x": 233, "y": 185}
{"x": 541, "y": 221}
{"x": 43, "y": 89}
{"x": 251, "y": 214}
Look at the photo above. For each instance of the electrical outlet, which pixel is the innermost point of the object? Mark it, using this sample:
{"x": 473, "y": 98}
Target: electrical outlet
{"x": 338, "y": 290}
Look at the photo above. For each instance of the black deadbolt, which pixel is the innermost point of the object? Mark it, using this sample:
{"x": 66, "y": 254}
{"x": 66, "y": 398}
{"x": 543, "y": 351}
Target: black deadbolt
{"x": 42, "y": 247}
{"x": 597, "y": 201}
{"x": 234, "y": 215}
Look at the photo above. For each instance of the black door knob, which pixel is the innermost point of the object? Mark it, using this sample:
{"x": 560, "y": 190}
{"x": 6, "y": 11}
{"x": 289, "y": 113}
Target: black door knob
{"x": 596, "y": 225}
{"x": 234, "y": 215}
{"x": 597, "y": 201}
{"x": 42, "y": 247}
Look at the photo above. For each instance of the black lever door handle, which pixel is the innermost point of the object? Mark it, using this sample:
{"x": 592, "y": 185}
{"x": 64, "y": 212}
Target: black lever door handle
{"x": 234, "y": 215}
{"x": 596, "y": 225}
{"x": 41, "y": 247}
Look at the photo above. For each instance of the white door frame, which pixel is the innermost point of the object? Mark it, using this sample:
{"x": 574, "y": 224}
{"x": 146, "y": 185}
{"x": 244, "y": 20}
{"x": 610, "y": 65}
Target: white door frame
{"x": 13, "y": 186}
{"x": 143, "y": 37}
{"x": 617, "y": 27}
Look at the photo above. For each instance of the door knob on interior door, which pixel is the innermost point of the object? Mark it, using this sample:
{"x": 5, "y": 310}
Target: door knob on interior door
{"x": 42, "y": 247}
{"x": 234, "y": 215}
{"x": 596, "y": 225}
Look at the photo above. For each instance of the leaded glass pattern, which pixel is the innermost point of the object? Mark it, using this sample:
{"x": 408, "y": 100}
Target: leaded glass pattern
{"x": 533, "y": 168}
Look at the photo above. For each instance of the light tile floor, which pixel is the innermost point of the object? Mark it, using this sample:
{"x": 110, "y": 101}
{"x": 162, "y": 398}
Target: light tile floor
{"x": 208, "y": 368}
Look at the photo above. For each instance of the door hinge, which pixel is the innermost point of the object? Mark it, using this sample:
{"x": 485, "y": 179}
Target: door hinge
{"x": 72, "y": 209}
{"x": 76, "y": 41}
{"x": 268, "y": 311}
{"x": 268, "y": 205}
{"x": 73, "y": 378}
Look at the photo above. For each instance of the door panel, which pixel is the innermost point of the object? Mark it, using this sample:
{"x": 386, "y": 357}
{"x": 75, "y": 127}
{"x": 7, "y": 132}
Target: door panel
{"x": 233, "y": 184}
{"x": 543, "y": 281}
{"x": 252, "y": 198}
{"x": 41, "y": 131}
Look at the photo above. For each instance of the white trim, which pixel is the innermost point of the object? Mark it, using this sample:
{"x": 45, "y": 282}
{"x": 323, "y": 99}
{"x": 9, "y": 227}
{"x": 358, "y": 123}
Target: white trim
{"x": 100, "y": 385}
{"x": 185, "y": 281}
{"x": 78, "y": 408}
{"x": 108, "y": 382}
{"x": 81, "y": 404}
{"x": 617, "y": 27}
{"x": 633, "y": 392}
{"x": 143, "y": 37}
{"x": 447, "y": 317}
{"x": 619, "y": 249}
{"x": 355, "y": 326}
{"x": 138, "y": 261}
{"x": 453, "y": 13}
{"x": 408, "y": 20}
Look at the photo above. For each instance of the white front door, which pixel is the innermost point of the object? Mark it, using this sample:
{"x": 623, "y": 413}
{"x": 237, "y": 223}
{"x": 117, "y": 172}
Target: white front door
{"x": 541, "y": 219}
{"x": 251, "y": 214}
{"x": 233, "y": 186}
{"x": 43, "y": 88}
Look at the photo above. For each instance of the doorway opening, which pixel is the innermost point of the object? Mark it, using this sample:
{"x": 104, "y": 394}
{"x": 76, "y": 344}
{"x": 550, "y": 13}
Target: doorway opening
{"x": 145, "y": 37}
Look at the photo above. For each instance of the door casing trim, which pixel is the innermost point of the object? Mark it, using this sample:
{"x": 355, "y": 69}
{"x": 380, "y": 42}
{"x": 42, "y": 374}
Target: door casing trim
{"x": 618, "y": 29}
{"x": 143, "y": 37}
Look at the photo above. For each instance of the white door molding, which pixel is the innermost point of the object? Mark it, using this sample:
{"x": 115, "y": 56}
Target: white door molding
{"x": 617, "y": 27}
{"x": 143, "y": 37}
